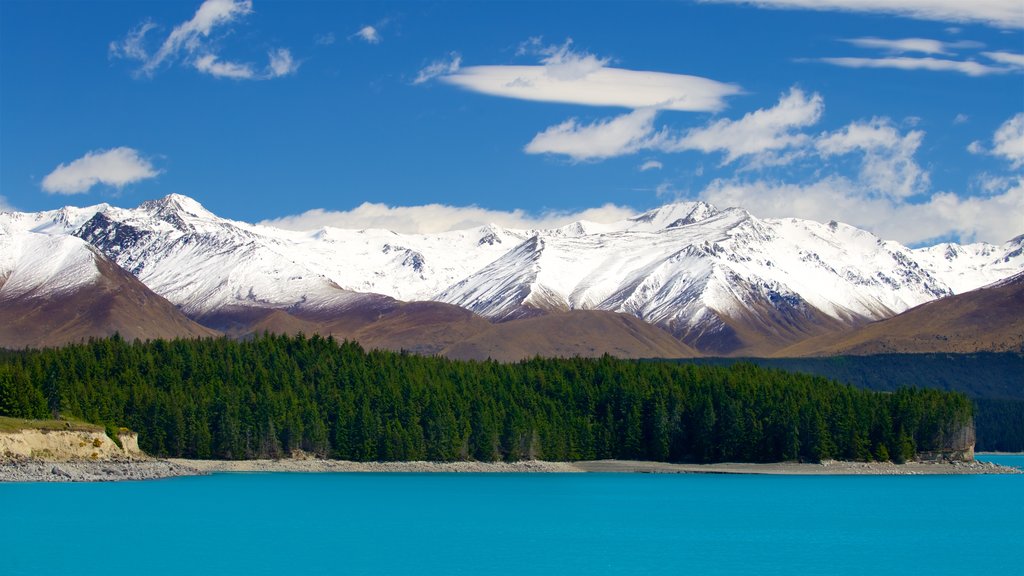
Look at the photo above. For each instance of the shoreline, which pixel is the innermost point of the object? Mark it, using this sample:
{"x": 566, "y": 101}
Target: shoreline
{"x": 830, "y": 468}
{"x": 28, "y": 470}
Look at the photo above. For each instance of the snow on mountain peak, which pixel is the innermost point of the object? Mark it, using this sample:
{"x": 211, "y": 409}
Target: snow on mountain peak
{"x": 671, "y": 216}
{"x": 178, "y": 210}
{"x": 43, "y": 266}
{"x": 681, "y": 266}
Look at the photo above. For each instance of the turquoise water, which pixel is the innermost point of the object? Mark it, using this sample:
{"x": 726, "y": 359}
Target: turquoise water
{"x": 1015, "y": 460}
{"x": 516, "y": 524}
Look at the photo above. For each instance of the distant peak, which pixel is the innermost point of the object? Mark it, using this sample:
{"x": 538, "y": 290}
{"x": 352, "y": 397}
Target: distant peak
{"x": 176, "y": 209}
{"x": 178, "y": 202}
{"x": 675, "y": 215}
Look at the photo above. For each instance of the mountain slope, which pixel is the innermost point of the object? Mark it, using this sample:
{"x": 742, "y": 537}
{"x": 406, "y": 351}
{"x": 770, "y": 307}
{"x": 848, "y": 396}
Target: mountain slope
{"x": 722, "y": 281}
{"x": 56, "y": 290}
{"x": 587, "y": 333}
{"x": 987, "y": 319}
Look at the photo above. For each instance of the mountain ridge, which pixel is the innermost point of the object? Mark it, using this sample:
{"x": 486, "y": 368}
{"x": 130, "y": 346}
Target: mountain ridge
{"x": 721, "y": 281}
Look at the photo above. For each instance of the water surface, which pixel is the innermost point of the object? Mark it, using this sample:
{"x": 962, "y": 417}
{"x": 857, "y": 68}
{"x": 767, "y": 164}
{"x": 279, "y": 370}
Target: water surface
{"x": 517, "y": 524}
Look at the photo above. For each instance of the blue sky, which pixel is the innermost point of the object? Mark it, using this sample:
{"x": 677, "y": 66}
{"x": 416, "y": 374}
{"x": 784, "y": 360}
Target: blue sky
{"x": 905, "y": 117}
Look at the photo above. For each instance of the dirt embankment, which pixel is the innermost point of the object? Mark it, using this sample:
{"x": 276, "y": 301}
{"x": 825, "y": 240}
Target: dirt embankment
{"x": 67, "y": 445}
{"x": 57, "y": 451}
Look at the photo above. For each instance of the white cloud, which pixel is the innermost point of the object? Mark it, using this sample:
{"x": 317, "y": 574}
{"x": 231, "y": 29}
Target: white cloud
{"x": 996, "y": 13}
{"x": 368, "y": 34}
{"x": 115, "y": 167}
{"x": 188, "y": 35}
{"x": 209, "y": 64}
{"x": 968, "y": 67}
{"x": 324, "y": 39}
{"x": 922, "y": 45}
{"x": 888, "y": 166}
{"x": 437, "y": 68}
{"x": 433, "y": 218}
{"x": 757, "y": 133}
{"x": 1008, "y": 141}
{"x": 991, "y": 218}
{"x": 564, "y": 63}
{"x": 281, "y": 63}
{"x": 4, "y": 205}
{"x": 617, "y": 136}
{"x": 651, "y": 165}
{"x": 961, "y": 118}
{"x": 132, "y": 46}
{"x": 600, "y": 87}
{"x": 976, "y": 147}
{"x": 191, "y": 44}
{"x": 575, "y": 77}
{"x": 1009, "y": 58}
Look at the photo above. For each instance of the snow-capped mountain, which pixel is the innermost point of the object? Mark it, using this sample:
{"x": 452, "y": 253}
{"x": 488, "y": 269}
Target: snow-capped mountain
{"x": 720, "y": 279}
{"x": 57, "y": 288}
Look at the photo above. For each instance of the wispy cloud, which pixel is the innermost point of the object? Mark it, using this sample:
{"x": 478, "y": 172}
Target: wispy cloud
{"x": 116, "y": 167}
{"x": 368, "y": 34}
{"x": 757, "y": 133}
{"x": 920, "y": 45}
{"x": 889, "y": 192}
{"x": 760, "y": 136}
{"x": 133, "y": 46}
{"x": 995, "y": 13}
{"x": 1009, "y": 58}
{"x": 281, "y": 63}
{"x": 209, "y": 64}
{"x": 189, "y": 36}
{"x": 192, "y": 43}
{"x": 888, "y": 166}
{"x": 896, "y": 58}
{"x": 577, "y": 77}
{"x": 993, "y": 217}
{"x": 1008, "y": 141}
{"x": 324, "y": 39}
{"x": 449, "y": 65}
{"x": 432, "y": 218}
{"x": 651, "y": 165}
{"x": 968, "y": 67}
{"x": 617, "y": 136}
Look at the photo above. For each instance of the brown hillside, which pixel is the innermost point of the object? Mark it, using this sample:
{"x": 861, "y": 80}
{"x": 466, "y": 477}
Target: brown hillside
{"x": 118, "y": 302}
{"x": 585, "y": 333}
{"x": 986, "y": 319}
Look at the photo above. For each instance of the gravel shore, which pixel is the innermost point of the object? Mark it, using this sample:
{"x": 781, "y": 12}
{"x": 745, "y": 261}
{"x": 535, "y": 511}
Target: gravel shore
{"x": 828, "y": 467}
{"x": 318, "y": 465}
{"x": 24, "y": 470}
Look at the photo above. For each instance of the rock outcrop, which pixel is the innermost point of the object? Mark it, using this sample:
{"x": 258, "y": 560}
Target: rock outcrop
{"x": 67, "y": 445}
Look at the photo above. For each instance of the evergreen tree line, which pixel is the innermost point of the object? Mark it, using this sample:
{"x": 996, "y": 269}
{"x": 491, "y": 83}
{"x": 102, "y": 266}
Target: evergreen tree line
{"x": 266, "y": 397}
{"x": 991, "y": 379}
{"x": 1000, "y": 425}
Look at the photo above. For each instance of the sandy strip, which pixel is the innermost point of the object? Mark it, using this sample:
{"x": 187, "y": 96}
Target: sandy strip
{"x": 625, "y": 466}
{"x": 829, "y": 468}
{"x": 318, "y": 465}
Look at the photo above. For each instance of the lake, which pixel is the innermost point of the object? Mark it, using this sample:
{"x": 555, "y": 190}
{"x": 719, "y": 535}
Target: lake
{"x": 518, "y": 524}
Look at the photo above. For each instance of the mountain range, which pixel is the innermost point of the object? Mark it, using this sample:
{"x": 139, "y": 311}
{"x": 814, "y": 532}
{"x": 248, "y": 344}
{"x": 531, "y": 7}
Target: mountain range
{"x": 682, "y": 280}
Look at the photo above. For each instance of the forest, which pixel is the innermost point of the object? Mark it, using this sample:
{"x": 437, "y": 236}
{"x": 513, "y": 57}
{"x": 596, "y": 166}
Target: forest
{"x": 993, "y": 381}
{"x": 274, "y": 394}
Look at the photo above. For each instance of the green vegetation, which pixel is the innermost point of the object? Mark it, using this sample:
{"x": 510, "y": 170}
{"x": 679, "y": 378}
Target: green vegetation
{"x": 993, "y": 380}
{"x": 8, "y": 424}
{"x": 1000, "y": 425}
{"x": 273, "y": 394}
